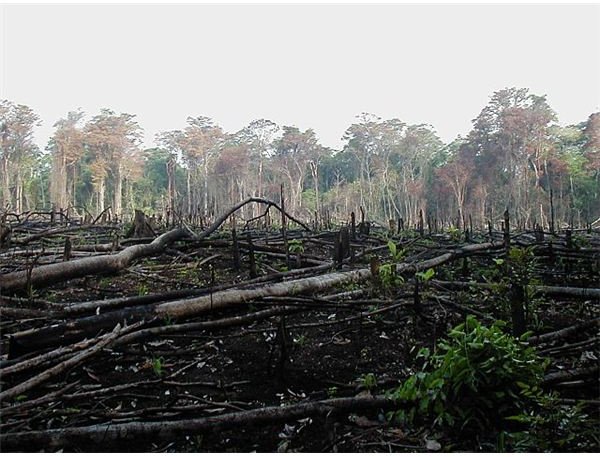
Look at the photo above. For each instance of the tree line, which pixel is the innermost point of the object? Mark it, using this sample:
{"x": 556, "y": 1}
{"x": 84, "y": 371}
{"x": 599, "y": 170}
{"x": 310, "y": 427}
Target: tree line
{"x": 516, "y": 156}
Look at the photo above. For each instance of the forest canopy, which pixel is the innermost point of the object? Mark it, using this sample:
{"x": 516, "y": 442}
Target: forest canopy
{"x": 516, "y": 156}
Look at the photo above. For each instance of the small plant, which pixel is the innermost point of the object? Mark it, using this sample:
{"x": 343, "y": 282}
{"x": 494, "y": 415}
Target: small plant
{"x": 477, "y": 378}
{"x": 454, "y": 233}
{"x": 551, "y": 427}
{"x": 521, "y": 264}
{"x": 301, "y": 340}
{"x": 397, "y": 255}
{"x": 142, "y": 290}
{"x": 332, "y": 392}
{"x": 389, "y": 277}
{"x": 295, "y": 246}
{"x": 104, "y": 283}
{"x": 157, "y": 366}
{"x": 368, "y": 381}
{"x": 425, "y": 276}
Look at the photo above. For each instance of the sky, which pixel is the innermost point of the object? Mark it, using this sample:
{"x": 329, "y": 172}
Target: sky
{"x": 311, "y": 66}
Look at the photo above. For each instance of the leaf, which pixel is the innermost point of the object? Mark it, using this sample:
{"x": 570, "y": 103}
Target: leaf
{"x": 392, "y": 247}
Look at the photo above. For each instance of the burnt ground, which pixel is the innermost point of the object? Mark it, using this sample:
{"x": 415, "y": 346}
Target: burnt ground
{"x": 332, "y": 349}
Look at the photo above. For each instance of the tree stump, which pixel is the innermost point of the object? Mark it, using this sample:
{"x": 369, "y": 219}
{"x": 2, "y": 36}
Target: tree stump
{"x": 141, "y": 227}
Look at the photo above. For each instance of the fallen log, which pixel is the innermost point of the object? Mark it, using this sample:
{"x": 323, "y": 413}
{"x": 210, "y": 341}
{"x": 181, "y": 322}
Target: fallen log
{"x": 60, "y": 231}
{"x": 111, "y": 263}
{"x": 565, "y": 332}
{"x": 561, "y": 291}
{"x": 107, "y": 433}
{"x": 29, "y": 340}
{"x": 51, "y": 372}
{"x": 100, "y": 306}
{"x": 571, "y": 375}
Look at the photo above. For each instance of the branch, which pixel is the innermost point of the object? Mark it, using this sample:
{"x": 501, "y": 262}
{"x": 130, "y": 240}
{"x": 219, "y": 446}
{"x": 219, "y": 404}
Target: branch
{"x": 167, "y": 429}
{"x": 51, "y": 372}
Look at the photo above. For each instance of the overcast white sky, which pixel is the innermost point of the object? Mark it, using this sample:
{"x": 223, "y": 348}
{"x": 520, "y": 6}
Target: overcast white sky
{"x": 306, "y": 65}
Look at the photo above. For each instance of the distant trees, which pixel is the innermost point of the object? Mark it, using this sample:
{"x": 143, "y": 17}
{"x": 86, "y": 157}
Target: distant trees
{"x": 112, "y": 142}
{"x": 516, "y": 156}
{"x": 18, "y": 154}
{"x": 67, "y": 148}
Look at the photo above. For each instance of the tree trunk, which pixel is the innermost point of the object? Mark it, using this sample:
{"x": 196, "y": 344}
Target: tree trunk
{"x": 6, "y": 200}
{"x": 117, "y": 432}
{"x": 118, "y": 196}
{"x": 185, "y": 308}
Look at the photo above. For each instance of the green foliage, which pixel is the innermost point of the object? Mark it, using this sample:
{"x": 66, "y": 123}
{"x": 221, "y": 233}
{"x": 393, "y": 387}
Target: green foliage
{"x": 368, "y": 381}
{"x": 301, "y": 340}
{"x": 142, "y": 290}
{"x": 387, "y": 272}
{"x": 478, "y": 376}
{"x": 296, "y": 246}
{"x": 521, "y": 263}
{"x": 389, "y": 277}
{"x": 396, "y": 254}
{"x": 454, "y": 233}
{"x": 332, "y": 392}
{"x": 551, "y": 427}
{"x": 425, "y": 275}
{"x": 157, "y": 366}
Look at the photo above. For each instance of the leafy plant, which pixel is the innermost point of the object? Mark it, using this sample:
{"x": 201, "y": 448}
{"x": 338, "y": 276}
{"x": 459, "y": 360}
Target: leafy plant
{"x": 425, "y": 276}
{"x": 301, "y": 340}
{"x": 550, "y": 426}
{"x": 454, "y": 233}
{"x": 397, "y": 255}
{"x": 521, "y": 264}
{"x": 389, "y": 277}
{"x": 157, "y": 366}
{"x": 478, "y": 377}
{"x": 368, "y": 381}
{"x": 142, "y": 290}
{"x": 296, "y": 246}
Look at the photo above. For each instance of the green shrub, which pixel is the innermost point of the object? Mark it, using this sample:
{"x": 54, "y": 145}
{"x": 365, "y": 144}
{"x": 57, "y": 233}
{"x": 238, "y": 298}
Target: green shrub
{"x": 477, "y": 377}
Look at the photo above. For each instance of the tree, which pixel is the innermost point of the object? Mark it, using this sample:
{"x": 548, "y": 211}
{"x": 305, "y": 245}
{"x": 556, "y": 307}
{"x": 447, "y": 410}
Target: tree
{"x": 200, "y": 144}
{"x": 293, "y": 152}
{"x": 260, "y": 135}
{"x": 362, "y": 143}
{"x": 112, "y": 139}
{"x": 18, "y": 152}
{"x": 457, "y": 174}
{"x": 511, "y": 139}
{"x": 172, "y": 142}
{"x": 66, "y": 147}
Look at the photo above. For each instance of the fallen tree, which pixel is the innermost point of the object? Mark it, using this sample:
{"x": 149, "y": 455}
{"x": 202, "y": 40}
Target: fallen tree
{"x": 103, "y": 433}
{"x": 29, "y": 340}
{"x": 112, "y": 263}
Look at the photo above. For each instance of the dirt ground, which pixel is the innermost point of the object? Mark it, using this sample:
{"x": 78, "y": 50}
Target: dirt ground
{"x": 324, "y": 350}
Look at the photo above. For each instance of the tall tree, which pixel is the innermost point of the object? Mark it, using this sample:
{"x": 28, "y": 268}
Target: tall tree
{"x": 293, "y": 152}
{"x": 200, "y": 145}
{"x": 511, "y": 139}
{"x": 112, "y": 139}
{"x": 66, "y": 147}
{"x": 18, "y": 151}
{"x": 260, "y": 135}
